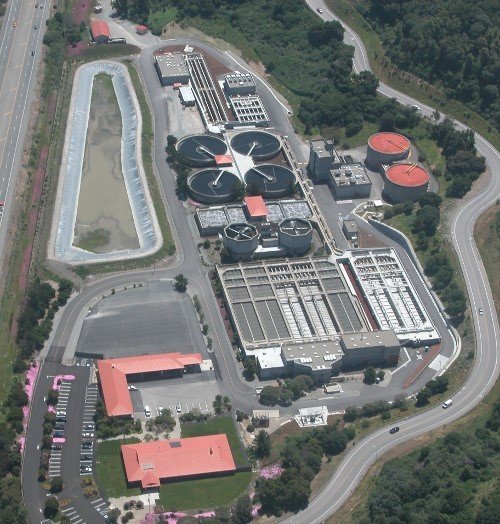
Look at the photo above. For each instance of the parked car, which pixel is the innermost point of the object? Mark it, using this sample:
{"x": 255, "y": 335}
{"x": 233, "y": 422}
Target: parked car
{"x": 160, "y": 410}
{"x": 60, "y": 425}
{"x": 56, "y": 446}
{"x": 178, "y": 408}
{"x": 86, "y": 457}
{"x": 85, "y": 469}
{"x": 447, "y": 403}
{"x": 87, "y": 444}
{"x": 89, "y": 427}
{"x": 88, "y": 434}
{"x": 58, "y": 433}
{"x": 393, "y": 430}
{"x": 132, "y": 388}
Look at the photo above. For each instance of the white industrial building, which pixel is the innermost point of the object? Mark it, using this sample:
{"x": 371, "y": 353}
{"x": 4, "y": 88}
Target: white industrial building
{"x": 171, "y": 69}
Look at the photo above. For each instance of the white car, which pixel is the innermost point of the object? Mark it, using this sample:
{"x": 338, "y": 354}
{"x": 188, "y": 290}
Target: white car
{"x": 178, "y": 408}
{"x": 320, "y": 11}
{"x": 132, "y": 388}
{"x": 448, "y": 403}
{"x": 88, "y": 434}
{"x": 160, "y": 410}
{"x": 481, "y": 312}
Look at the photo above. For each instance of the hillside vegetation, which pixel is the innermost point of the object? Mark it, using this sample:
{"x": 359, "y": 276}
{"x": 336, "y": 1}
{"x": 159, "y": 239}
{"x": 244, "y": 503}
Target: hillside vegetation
{"x": 451, "y": 43}
{"x": 304, "y": 54}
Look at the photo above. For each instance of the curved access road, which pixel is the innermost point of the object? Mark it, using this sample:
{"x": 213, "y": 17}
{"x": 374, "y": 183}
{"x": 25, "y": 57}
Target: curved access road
{"x": 486, "y": 366}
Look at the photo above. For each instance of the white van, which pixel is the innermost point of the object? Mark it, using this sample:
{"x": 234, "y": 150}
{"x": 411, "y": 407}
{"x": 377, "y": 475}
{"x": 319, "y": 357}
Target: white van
{"x": 448, "y": 403}
{"x": 147, "y": 411}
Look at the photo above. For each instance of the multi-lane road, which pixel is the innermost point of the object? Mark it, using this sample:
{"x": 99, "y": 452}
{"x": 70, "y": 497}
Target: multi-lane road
{"x": 20, "y": 54}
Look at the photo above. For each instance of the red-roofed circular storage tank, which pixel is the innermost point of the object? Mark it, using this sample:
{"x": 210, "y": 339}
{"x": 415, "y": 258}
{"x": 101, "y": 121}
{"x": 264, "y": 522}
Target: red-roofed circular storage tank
{"x": 386, "y": 148}
{"x": 405, "y": 182}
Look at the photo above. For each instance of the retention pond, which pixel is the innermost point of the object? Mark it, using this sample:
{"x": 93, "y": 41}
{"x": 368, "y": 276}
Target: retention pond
{"x": 104, "y": 208}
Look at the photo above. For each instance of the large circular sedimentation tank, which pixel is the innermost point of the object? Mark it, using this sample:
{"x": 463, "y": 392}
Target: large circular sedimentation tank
{"x": 386, "y": 148}
{"x": 405, "y": 182}
{"x": 199, "y": 150}
{"x": 270, "y": 181}
{"x": 212, "y": 186}
{"x": 260, "y": 145}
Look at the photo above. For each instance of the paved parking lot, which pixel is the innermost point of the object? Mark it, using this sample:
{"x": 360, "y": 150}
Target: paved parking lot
{"x": 148, "y": 320}
{"x": 191, "y": 391}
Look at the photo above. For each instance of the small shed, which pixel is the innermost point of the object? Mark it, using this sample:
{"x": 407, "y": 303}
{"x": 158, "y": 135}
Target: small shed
{"x": 186, "y": 95}
{"x": 141, "y": 29}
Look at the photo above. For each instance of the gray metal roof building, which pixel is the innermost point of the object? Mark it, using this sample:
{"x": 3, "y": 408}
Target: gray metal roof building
{"x": 171, "y": 69}
{"x": 240, "y": 84}
{"x": 349, "y": 181}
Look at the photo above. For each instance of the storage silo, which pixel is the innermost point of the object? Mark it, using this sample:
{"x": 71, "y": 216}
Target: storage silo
{"x": 241, "y": 239}
{"x": 405, "y": 182}
{"x": 295, "y": 235}
{"x": 386, "y": 148}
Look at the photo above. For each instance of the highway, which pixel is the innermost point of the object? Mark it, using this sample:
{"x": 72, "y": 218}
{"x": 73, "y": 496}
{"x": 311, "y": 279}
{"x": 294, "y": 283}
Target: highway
{"x": 18, "y": 73}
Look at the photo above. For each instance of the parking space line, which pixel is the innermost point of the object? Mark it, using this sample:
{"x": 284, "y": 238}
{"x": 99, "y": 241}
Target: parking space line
{"x": 96, "y": 500}
{"x": 67, "y": 509}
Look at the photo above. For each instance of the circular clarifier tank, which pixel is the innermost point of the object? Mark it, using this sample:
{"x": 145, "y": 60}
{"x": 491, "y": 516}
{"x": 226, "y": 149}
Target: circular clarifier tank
{"x": 211, "y": 186}
{"x": 270, "y": 181}
{"x": 200, "y": 150}
{"x": 257, "y": 144}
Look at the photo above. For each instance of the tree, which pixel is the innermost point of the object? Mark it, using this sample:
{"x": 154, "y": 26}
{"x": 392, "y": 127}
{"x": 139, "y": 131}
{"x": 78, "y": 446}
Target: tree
{"x": 164, "y": 422}
{"x": 380, "y": 374}
{"x": 262, "y": 444}
{"x": 113, "y": 515}
{"x": 369, "y": 375}
{"x": 334, "y": 442}
{"x": 430, "y": 199}
{"x": 56, "y": 484}
{"x": 180, "y": 283}
{"x": 250, "y": 368}
{"x": 423, "y": 397}
{"x": 51, "y": 507}
{"x": 427, "y": 220}
{"x": 351, "y": 414}
{"x": 269, "y": 396}
{"x": 242, "y": 510}
{"x": 52, "y": 397}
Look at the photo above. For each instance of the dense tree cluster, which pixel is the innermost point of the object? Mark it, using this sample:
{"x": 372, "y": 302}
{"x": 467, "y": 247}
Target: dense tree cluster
{"x": 452, "y": 480}
{"x": 35, "y": 321}
{"x": 453, "y": 43}
{"x": 108, "y": 427}
{"x": 436, "y": 386}
{"x": 302, "y": 457}
{"x": 303, "y": 53}
{"x": 288, "y": 391}
{"x": 463, "y": 166}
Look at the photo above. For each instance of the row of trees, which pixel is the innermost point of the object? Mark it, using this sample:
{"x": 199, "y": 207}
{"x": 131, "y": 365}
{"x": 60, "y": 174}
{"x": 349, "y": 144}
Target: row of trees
{"x": 107, "y": 427}
{"x": 302, "y": 456}
{"x": 35, "y": 321}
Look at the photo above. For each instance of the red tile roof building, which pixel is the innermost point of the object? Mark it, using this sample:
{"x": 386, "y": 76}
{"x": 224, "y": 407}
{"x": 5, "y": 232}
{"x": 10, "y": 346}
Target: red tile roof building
{"x": 113, "y": 376}
{"x": 148, "y": 463}
{"x": 256, "y": 206}
{"x": 141, "y": 29}
{"x": 99, "y": 31}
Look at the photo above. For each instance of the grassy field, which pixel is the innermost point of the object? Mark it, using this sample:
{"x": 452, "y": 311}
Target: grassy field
{"x": 214, "y": 426}
{"x": 110, "y": 471}
{"x": 405, "y": 82}
{"x": 487, "y": 234}
{"x": 204, "y": 493}
{"x": 159, "y": 19}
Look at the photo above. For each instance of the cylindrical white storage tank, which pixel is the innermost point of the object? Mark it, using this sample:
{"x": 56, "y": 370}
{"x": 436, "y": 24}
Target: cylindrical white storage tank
{"x": 405, "y": 182}
{"x": 295, "y": 235}
{"x": 385, "y": 149}
{"x": 240, "y": 239}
